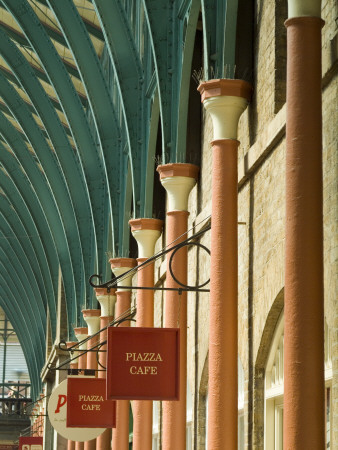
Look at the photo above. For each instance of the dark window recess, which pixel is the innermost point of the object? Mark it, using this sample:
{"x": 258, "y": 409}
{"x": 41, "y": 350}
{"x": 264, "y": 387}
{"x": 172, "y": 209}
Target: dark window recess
{"x": 281, "y": 12}
{"x": 244, "y": 41}
{"x": 133, "y": 248}
{"x": 194, "y": 120}
{"x": 159, "y": 195}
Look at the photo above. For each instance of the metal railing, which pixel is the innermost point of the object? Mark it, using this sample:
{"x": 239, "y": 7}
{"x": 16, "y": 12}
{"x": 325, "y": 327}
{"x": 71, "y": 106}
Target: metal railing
{"x": 15, "y": 399}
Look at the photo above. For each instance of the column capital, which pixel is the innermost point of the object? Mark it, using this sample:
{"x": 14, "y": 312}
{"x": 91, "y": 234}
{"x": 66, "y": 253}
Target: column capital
{"x": 178, "y": 170}
{"x": 107, "y": 299}
{"x": 92, "y": 318}
{"x": 119, "y": 266}
{"x": 81, "y": 333}
{"x": 221, "y": 87}
{"x": 146, "y": 232}
{"x": 178, "y": 179}
{"x": 225, "y": 100}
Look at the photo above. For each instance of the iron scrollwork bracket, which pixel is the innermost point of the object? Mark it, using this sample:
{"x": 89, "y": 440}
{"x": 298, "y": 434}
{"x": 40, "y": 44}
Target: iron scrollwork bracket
{"x": 174, "y": 249}
{"x": 197, "y": 288}
{"x": 107, "y": 285}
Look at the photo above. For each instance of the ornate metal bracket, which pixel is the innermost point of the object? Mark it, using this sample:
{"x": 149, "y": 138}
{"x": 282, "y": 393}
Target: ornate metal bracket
{"x": 107, "y": 285}
{"x": 186, "y": 286}
{"x": 127, "y": 316}
{"x": 173, "y": 249}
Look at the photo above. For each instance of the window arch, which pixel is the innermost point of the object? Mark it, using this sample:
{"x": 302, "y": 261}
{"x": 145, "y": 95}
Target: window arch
{"x": 156, "y": 425}
{"x": 240, "y": 405}
{"x": 274, "y": 389}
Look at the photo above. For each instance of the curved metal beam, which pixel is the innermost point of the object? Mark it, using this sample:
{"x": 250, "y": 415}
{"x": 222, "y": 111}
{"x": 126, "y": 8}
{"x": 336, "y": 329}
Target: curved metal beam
{"x": 159, "y": 16}
{"x": 42, "y": 207}
{"x": 92, "y": 29}
{"x": 90, "y": 155}
{"x": 21, "y": 300}
{"x": 20, "y": 264}
{"x": 64, "y": 221}
{"x": 13, "y": 79}
{"x": 219, "y": 31}
{"x": 188, "y": 24}
{"x": 12, "y": 230}
{"x": 18, "y": 281}
{"x": 126, "y": 64}
{"x": 149, "y": 172}
{"x": 172, "y": 27}
{"x": 98, "y": 95}
{"x": 24, "y": 201}
{"x": 22, "y": 41}
{"x": 69, "y": 161}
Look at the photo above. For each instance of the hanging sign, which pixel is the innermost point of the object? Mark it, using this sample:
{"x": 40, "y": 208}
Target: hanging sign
{"x": 57, "y": 413}
{"x": 30, "y": 443}
{"x": 87, "y": 405}
{"x": 143, "y": 363}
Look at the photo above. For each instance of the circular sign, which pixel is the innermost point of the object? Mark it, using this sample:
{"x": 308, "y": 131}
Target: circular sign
{"x": 57, "y": 413}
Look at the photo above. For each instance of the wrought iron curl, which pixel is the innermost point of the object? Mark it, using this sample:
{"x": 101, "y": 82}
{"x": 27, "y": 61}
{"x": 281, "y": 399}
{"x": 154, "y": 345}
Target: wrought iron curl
{"x": 178, "y": 247}
{"x": 108, "y": 284}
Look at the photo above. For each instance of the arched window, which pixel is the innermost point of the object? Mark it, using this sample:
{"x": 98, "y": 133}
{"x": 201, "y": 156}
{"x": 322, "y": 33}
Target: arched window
{"x": 274, "y": 389}
{"x": 156, "y": 425}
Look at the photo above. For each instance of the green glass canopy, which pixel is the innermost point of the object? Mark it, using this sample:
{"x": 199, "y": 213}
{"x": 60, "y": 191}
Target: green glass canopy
{"x": 86, "y": 89}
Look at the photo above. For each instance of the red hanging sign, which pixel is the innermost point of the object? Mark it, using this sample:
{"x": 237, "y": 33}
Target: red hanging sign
{"x": 30, "y": 443}
{"x": 143, "y": 363}
{"x": 87, "y": 406}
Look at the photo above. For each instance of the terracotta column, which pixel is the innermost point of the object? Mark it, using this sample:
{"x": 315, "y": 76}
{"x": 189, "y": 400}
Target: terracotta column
{"x": 41, "y": 416}
{"x": 225, "y": 100}
{"x": 107, "y": 301}
{"x": 120, "y": 266}
{"x": 72, "y": 365}
{"x": 146, "y": 232}
{"x": 81, "y": 333}
{"x": 178, "y": 180}
{"x": 304, "y": 400}
{"x": 92, "y": 318}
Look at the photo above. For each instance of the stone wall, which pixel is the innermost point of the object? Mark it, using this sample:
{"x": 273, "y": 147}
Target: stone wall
{"x": 261, "y": 217}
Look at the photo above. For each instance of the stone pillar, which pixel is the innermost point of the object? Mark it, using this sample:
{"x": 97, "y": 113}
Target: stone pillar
{"x": 107, "y": 302}
{"x": 72, "y": 365}
{"x": 120, "y": 266}
{"x": 48, "y": 432}
{"x": 225, "y": 100}
{"x": 81, "y": 333}
{"x": 92, "y": 318}
{"x": 304, "y": 400}
{"x": 146, "y": 232}
{"x": 178, "y": 180}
